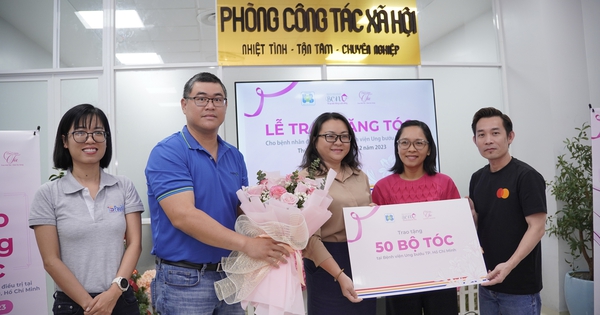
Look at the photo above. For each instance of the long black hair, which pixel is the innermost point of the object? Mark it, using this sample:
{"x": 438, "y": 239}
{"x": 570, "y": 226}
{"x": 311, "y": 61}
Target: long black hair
{"x": 310, "y": 154}
{"x": 429, "y": 165}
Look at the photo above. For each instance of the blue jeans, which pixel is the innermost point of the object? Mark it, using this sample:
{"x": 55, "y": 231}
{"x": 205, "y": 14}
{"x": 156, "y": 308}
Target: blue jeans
{"x": 64, "y": 305}
{"x": 183, "y": 291}
{"x": 496, "y": 303}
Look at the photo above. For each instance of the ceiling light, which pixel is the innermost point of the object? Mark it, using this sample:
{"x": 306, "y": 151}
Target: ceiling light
{"x": 338, "y": 56}
{"x": 139, "y": 58}
{"x": 124, "y": 19}
{"x": 206, "y": 17}
{"x": 90, "y": 19}
{"x": 128, "y": 19}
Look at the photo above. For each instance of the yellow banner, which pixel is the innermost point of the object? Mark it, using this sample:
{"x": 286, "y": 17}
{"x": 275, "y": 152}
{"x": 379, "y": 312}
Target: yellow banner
{"x": 317, "y": 32}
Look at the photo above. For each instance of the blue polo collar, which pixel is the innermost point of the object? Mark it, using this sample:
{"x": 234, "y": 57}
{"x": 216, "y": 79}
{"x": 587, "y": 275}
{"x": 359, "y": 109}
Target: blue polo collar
{"x": 193, "y": 144}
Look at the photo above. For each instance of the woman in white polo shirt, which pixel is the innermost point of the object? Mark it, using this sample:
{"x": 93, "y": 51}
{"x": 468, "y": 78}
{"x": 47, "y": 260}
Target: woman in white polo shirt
{"x": 80, "y": 220}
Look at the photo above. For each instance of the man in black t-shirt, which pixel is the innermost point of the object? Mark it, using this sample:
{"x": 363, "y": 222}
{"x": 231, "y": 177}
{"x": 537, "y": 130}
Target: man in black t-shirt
{"x": 508, "y": 202}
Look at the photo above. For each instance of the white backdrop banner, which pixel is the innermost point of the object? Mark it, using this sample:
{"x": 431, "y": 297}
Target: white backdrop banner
{"x": 274, "y": 119}
{"x": 595, "y": 137}
{"x": 22, "y": 275}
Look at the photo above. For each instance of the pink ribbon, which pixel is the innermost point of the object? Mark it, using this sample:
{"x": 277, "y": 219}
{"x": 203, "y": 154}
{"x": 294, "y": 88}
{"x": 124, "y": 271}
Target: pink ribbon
{"x": 262, "y": 95}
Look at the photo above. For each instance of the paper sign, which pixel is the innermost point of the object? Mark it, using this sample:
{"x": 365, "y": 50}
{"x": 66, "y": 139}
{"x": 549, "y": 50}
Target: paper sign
{"x": 22, "y": 274}
{"x": 416, "y": 247}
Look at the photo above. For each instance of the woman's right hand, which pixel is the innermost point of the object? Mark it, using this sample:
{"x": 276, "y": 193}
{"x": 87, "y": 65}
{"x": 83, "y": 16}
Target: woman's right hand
{"x": 104, "y": 303}
{"x": 348, "y": 288}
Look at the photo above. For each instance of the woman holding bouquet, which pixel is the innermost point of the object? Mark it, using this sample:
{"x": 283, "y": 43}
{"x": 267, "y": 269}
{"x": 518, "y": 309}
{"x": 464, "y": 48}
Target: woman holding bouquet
{"x": 327, "y": 262}
{"x": 415, "y": 179}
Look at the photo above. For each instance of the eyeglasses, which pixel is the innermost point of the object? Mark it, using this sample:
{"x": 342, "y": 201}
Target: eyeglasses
{"x": 332, "y": 138}
{"x": 82, "y": 136}
{"x": 202, "y": 101}
{"x": 418, "y": 144}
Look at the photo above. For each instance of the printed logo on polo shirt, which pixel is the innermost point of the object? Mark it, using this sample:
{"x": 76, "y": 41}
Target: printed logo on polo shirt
{"x": 502, "y": 193}
{"x": 119, "y": 208}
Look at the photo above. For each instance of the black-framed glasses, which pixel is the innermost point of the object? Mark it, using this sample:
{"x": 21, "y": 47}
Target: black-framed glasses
{"x": 418, "y": 144}
{"x": 332, "y": 138}
{"x": 82, "y": 136}
{"x": 202, "y": 101}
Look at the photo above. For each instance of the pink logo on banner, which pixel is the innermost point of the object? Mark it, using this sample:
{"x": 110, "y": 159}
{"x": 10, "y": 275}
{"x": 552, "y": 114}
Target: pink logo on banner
{"x": 11, "y": 157}
{"x": 358, "y": 219}
{"x": 262, "y": 95}
{"x": 428, "y": 214}
{"x": 364, "y": 96}
{"x": 6, "y": 307}
{"x": 597, "y": 117}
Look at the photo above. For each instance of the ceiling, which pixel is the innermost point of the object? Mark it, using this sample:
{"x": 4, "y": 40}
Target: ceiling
{"x": 180, "y": 31}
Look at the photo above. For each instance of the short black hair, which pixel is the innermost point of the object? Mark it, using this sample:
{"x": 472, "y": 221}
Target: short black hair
{"x": 202, "y": 77}
{"x": 79, "y": 115}
{"x": 488, "y": 112}
{"x": 310, "y": 154}
{"x": 429, "y": 165}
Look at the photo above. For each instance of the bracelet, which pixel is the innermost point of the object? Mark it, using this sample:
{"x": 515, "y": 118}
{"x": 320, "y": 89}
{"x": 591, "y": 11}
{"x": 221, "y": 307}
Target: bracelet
{"x": 338, "y": 275}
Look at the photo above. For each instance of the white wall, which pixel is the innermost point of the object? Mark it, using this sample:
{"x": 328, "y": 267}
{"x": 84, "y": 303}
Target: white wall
{"x": 21, "y": 53}
{"x": 473, "y": 42}
{"x": 547, "y": 64}
{"x": 591, "y": 11}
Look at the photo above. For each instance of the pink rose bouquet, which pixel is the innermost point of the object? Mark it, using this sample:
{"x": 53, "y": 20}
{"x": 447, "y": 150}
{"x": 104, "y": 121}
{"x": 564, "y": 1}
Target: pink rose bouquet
{"x": 288, "y": 209}
{"x": 291, "y": 189}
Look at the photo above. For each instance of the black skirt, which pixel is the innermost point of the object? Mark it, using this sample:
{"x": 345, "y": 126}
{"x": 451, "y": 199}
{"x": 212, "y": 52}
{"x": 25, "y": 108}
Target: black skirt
{"x": 324, "y": 295}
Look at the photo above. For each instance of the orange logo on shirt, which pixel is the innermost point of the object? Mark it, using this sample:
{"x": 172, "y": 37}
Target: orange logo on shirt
{"x": 502, "y": 193}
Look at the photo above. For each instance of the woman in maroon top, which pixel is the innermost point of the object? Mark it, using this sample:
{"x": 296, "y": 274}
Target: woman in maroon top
{"x": 415, "y": 179}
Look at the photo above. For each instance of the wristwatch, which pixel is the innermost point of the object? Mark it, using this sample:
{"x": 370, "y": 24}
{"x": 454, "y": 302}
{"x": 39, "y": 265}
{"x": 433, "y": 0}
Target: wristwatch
{"x": 122, "y": 283}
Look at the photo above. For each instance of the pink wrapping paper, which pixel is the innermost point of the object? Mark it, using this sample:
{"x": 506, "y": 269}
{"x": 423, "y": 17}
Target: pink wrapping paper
{"x": 273, "y": 291}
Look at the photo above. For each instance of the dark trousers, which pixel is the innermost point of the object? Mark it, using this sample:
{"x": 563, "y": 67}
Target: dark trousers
{"x": 440, "y": 302}
{"x": 324, "y": 296}
{"x": 126, "y": 304}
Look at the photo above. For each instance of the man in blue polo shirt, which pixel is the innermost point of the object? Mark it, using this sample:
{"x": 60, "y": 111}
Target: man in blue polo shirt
{"x": 192, "y": 178}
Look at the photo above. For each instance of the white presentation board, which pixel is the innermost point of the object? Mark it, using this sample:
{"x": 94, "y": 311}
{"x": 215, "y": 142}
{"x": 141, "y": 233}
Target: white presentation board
{"x": 274, "y": 119}
{"x": 413, "y": 247}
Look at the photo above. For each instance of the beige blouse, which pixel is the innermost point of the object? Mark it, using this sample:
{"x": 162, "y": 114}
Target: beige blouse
{"x": 352, "y": 191}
